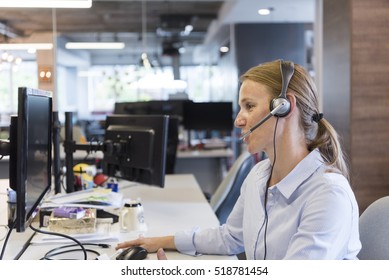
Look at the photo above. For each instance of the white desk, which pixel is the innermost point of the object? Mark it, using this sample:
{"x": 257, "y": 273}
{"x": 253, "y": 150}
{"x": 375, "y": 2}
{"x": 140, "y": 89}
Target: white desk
{"x": 180, "y": 205}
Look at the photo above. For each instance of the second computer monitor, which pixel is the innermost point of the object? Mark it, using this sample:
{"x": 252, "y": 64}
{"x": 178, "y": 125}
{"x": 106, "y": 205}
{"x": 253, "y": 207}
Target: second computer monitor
{"x": 135, "y": 148}
{"x": 208, "y": 116}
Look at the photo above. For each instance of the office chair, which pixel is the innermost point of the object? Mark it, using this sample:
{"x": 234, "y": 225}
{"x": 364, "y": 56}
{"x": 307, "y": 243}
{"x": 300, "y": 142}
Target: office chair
{"x": 226, "y": 194}
{"x": 374, "y": 231}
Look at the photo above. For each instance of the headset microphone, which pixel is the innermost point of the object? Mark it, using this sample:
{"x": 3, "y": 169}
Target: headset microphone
{"x": 277, "y": 109}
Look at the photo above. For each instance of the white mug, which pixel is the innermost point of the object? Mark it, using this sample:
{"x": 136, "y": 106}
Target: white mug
{"x": 131, "y": 217}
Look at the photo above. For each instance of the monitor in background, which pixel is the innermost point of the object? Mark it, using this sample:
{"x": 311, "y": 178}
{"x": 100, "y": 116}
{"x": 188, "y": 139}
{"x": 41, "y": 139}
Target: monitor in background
{"x": 208, "y": 116}
{"x": 135, "y": 148}
{"x": 154, "y": 107}
{"x": 137, "y": 108}
{"x": 173, "y": 108}
{"x": 30, "y": 156}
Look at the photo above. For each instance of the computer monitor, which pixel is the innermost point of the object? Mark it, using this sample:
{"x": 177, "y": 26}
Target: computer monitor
{"x": 208, "y": 116}
{"x": 138, "y": 108}
{"x": 154, "y": 107}
{"x": 31, "y": 155}
{"x": 135, "y": 148}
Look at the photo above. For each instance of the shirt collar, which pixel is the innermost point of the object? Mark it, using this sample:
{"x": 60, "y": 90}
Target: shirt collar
{"x": 303, "y": 170}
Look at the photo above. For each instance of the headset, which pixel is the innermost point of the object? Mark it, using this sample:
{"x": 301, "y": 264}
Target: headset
{"x": 287, "y": 70}
{"x": 279, "y": 107}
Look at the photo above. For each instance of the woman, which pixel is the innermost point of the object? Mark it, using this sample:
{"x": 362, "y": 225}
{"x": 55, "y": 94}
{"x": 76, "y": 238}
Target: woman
{"x": 298, "y": 203}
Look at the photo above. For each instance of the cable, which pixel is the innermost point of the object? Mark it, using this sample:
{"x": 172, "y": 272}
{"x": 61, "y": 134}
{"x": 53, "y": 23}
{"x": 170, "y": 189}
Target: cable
{"x": 265, "y": 221}
{"x": 6, "y": 240}
{"x": 65, "y": 236}
{"x": 267, "y": 187}
{"x": 61, "y": 250}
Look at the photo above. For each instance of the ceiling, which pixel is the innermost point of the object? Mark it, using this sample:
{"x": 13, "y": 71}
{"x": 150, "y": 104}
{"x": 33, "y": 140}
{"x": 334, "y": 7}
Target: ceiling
{"x": 159, "y": 32}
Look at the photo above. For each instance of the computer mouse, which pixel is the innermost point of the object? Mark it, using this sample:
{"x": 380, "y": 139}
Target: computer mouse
{"x": 133, "y": 253}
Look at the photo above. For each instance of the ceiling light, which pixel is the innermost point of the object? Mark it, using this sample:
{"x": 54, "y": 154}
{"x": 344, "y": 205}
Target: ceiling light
{"x": 144, "y": 58}
{"x": 264, "y": 12}
{"x": 188, "y": 29}
{"x": 26, "y": 46}
{"x": 94, "y": 45}
{"x": 224, "y": 49}
{"x": 46, "y": 3}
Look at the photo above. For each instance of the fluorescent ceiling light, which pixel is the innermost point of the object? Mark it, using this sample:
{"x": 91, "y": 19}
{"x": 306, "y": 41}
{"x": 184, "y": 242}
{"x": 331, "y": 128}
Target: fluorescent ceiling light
{"x": 94, "y": 45}
{"x": 26, "y": 46}
{"x": 46, "y": 3}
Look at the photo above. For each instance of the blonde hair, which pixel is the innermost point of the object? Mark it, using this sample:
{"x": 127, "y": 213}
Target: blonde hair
{"x": 319, "y": 133}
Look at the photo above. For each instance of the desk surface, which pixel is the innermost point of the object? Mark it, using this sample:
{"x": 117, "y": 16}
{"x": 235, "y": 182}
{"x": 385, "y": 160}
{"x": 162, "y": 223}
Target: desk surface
{"x": 180, "y": 205}
{"x": 212, "y": 153}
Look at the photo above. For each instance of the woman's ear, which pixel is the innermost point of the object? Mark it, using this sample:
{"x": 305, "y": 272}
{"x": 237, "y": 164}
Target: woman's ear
{"x": 292, "y": 100}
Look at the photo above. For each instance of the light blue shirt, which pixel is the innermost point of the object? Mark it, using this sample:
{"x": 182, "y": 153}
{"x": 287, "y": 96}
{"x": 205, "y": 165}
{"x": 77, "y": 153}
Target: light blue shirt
{"x": 312, "y": 214}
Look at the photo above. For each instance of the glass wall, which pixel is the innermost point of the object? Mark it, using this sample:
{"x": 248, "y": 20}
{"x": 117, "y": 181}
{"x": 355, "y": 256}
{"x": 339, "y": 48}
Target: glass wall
{"x": 106, "y": 85}
{"x": 11, "y": 78}
{"x": 109, "y": 84}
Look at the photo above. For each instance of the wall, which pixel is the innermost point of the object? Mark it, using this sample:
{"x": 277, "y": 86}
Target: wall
{"x": 336, "y": 65}
{"x": 370, "y": 98}
{"x": 356, "y": 89}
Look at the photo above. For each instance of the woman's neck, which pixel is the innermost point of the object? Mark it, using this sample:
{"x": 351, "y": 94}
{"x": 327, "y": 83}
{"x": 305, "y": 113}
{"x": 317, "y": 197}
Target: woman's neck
{"x": 287, "y": 157}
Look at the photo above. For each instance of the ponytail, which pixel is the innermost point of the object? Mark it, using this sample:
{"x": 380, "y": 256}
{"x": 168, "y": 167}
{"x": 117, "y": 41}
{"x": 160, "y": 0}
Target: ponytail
{"x": 327, "y": 141}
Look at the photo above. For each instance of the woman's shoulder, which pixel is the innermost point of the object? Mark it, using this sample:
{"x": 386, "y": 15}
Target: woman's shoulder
{"x": 332, "y": 183}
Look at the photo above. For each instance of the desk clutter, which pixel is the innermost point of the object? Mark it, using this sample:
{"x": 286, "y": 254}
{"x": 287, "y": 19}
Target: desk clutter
{"x": 70, "y": 220}
{"x": 94, "y": 226}
{"x": 88, "y": 215}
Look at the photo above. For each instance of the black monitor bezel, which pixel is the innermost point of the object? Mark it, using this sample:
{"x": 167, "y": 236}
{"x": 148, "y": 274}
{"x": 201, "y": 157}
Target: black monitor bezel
{"x": 157, "y": 125}
{"x": 24, "y": 213}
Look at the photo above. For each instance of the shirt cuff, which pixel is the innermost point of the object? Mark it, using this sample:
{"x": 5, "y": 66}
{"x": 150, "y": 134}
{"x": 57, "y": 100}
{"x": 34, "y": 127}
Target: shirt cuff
{"x": 184, "y": 241}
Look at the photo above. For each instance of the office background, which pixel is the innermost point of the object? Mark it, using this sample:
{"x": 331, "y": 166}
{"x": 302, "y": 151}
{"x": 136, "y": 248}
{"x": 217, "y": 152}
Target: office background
{"x": 349, "y": 59}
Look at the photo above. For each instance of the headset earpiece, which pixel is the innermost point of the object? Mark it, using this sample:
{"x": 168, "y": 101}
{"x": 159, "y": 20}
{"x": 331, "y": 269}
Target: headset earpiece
{"x": 287, "y": 70}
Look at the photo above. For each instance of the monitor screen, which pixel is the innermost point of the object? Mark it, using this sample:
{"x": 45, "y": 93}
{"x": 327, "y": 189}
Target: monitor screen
{"x": 31, "y": 156}
{"x": 153, "y": 107}
{"x": 208, "y": 116}
{"x": 138, "y": 108}
{"x": 135, "y": 148}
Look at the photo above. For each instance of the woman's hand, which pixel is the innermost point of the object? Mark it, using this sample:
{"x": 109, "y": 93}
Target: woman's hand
{"x": 151, "y": 244}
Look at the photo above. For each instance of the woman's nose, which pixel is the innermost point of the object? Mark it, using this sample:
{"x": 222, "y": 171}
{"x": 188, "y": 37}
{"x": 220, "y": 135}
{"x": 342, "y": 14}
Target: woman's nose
{"x": 239, "y": 121}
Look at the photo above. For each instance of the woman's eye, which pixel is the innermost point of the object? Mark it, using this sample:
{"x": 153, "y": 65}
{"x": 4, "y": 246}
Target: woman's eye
{"x": 249, "y": 106}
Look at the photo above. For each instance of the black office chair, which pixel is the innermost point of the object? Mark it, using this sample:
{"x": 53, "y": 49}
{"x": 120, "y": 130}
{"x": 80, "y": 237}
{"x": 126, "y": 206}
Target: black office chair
{"x": 226, "y": 194}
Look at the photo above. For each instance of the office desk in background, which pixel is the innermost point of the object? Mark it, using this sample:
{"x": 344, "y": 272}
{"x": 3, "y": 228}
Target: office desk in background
{"x": 78, "y": 156}
{"x": 208, "y": 166}
{"x": 181, "y": 205}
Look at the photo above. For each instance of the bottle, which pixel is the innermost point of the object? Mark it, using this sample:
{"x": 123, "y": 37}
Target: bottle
{"x": 113, "y": 184}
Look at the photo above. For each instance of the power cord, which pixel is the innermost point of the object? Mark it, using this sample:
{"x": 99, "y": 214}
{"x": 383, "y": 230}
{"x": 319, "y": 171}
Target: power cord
{"x": 65, "y": 249}
{"x": 6, "y": 240}
{"x": 65, "y": 236}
